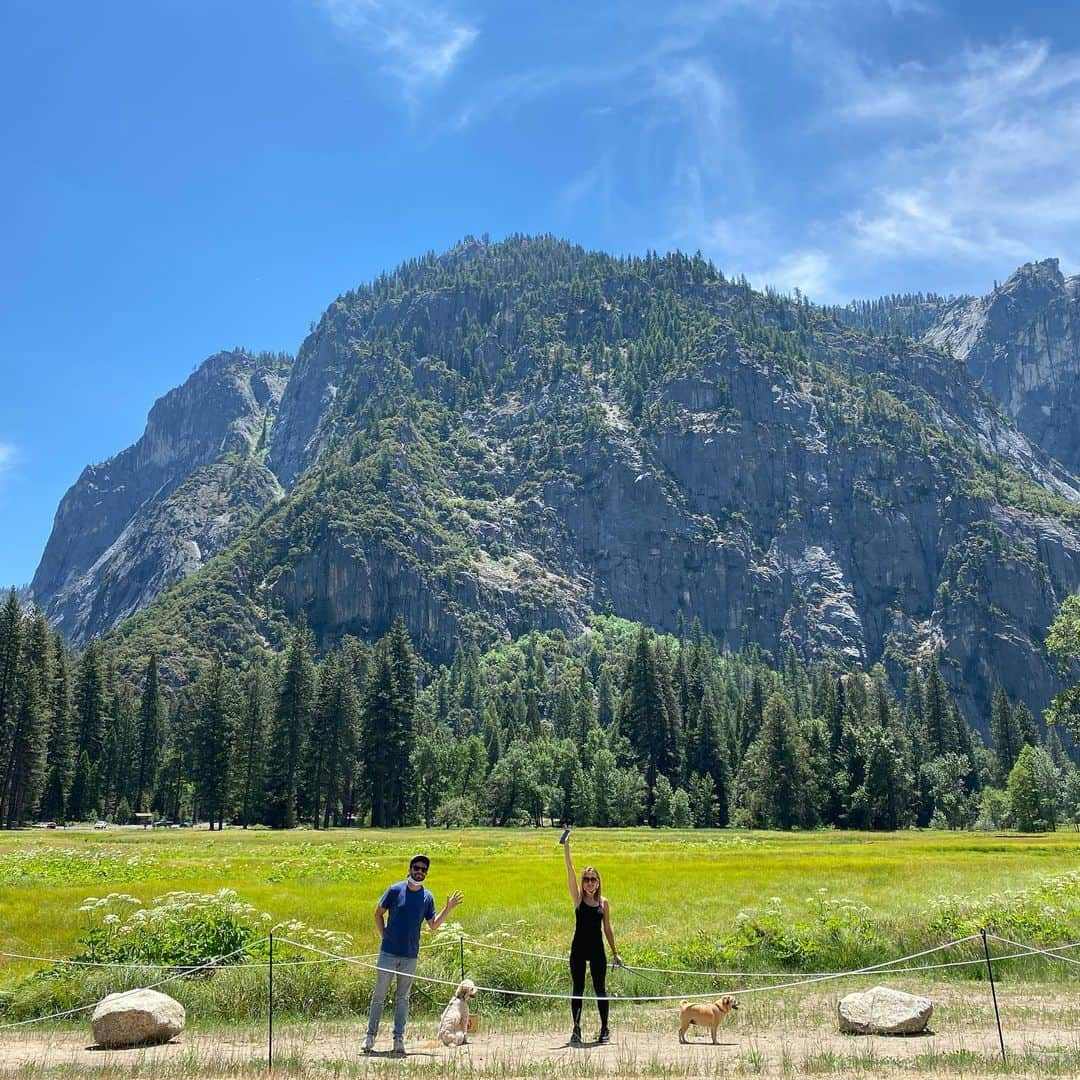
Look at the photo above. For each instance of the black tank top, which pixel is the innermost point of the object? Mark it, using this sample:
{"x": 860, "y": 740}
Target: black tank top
{"x": 588, "y": 929}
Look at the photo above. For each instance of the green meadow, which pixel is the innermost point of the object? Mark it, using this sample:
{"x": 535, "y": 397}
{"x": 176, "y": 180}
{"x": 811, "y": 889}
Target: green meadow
{"x": 712, "y": 901}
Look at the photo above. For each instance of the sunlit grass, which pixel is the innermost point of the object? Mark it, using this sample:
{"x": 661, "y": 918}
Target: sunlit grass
{"x": 675, "y": 896}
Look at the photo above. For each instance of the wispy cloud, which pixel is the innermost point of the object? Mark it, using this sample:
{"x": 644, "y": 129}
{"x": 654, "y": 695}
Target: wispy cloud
{"x": 809, "y": 271}
{"x": 8, "y": 456}
{"x": 977, "y": 156}
{"x": 964, "y": 157}
{"x": 419, "y": 43}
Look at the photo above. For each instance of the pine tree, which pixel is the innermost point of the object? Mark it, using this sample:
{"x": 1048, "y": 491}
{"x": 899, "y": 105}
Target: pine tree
{"x": 584, "y": 711}
{"x": 251, "y": 744}
{"x": 81, "y": 798}
{"x": 1004, "y": 732}
{"x": 773, "y": 781}
{"x": 215, "y": 726}
{"x": 940, "y": 725}
{"x": 751, "y": 714}
{"x": 116, "y": 766}
{"x": 563, "y": 715}
{"x": 883, "y": 782}
{"x": 402, "y": 661}
{"x": 151, "y": 724}
{"x": 175, "y": 776}
{"x": 25, "y": 771}
{"x": 605, "y": 699}
{"x": 643, "y": 718}
{"x": 11, "y": 652}
{"x": 91, "y": 702}
{"x": 706, "y": 754}
{"x": 336, "y": 713}
{"x": 1026, "y": 726}
{"x": 60, "y": 755}
{"x": 292, "y": 723}
{"x": 379, "y": 717}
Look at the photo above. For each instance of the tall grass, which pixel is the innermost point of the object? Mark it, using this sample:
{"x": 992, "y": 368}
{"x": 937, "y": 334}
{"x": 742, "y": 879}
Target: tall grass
{"x": 723, "y": 901}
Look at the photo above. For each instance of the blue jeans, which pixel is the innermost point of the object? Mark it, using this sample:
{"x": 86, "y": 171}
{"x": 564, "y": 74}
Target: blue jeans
{"x": 404, "y": 967}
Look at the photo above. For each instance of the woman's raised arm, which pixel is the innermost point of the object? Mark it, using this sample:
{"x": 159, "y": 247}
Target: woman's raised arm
{"x": 571, "y": 877}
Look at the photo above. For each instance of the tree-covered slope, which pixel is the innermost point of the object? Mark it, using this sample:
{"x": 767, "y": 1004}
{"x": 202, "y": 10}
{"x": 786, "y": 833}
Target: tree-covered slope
{"x": 516, "y": 435}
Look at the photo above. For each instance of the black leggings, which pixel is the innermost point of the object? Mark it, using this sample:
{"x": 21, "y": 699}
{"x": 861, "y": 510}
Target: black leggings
{"x": 598, "y": 964}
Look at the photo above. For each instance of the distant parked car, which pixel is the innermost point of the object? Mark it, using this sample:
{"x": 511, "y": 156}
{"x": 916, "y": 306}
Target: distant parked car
{"x": 164, "y": 823}
{"x": 49, "y": 825}
{"x": 101, "y": 824}
{"x": 185, "y": 824}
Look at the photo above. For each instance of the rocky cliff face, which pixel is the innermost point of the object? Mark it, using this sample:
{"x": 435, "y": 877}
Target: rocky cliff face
{"x": 1022, "y": 342}
{"x": 515, "y": 435}
{"x": 135, "y": 524}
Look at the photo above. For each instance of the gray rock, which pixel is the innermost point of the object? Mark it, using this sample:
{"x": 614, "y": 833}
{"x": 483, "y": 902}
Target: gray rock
{"x": 137, "y": 1018}
{"x": 883, "y": 1011}
{"x": 1022, "y": 342}
{"x": 138, "y": 523}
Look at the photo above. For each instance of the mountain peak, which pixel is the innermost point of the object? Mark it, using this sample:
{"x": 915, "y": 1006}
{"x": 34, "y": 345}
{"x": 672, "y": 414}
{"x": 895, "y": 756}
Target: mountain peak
{"x": 100, "y": 533}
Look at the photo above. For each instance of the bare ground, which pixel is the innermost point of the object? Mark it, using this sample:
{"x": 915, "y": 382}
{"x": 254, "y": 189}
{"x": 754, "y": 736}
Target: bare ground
{"x": 772, "y": 1038}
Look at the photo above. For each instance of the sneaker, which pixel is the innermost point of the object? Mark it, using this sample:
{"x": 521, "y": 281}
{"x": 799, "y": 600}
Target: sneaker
{"x": 368, "y": 1044}
{"x": 575, "y": 1037}
{"x": 399, "y": 1046}
{"x": 604, "y": 1036}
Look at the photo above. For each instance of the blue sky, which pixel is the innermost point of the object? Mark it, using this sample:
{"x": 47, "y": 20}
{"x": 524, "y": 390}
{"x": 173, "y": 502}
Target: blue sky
{"x": 181, "y": 177}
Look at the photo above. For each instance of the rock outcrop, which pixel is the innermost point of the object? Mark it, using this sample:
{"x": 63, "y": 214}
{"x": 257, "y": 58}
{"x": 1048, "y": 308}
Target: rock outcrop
{"x": 137, "y": 1018}
{"x": 1022, "y": 342}
{"x": 134, "y": 525}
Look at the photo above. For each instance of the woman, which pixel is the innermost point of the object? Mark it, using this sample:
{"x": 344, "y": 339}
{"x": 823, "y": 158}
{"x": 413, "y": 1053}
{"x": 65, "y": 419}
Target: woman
{"x": 591, "y": 912}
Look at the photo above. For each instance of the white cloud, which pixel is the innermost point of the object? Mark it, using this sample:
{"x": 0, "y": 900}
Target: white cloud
{"x": 967, "y": 159}
{"x": 809, "y": 271}
{"x": 973, "y": 84}
{"x": 976, "y": 158}
{"x": 419, "y": 42}
{"x": 8, "y": 456}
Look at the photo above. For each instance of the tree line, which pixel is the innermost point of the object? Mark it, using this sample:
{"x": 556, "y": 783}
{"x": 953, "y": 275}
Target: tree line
{"x": 621, "y": 726}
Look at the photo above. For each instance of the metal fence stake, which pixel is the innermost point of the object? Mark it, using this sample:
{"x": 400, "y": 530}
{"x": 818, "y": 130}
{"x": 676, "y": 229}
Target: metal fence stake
{"x": 993, "y": 992}
{"x": 270, "y": 1011}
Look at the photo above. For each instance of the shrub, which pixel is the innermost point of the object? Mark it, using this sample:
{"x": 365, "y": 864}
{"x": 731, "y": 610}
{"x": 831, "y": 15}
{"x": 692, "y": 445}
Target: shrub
{"x": 186, "y": 929}
{"x": 458, "y": 812}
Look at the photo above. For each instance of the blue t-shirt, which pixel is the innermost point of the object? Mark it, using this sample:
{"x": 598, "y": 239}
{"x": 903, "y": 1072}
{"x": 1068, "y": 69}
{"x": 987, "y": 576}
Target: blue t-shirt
{"x": 406, "y": 910}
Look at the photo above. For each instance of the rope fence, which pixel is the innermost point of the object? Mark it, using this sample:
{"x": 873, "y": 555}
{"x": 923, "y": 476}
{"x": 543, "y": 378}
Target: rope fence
{"x": 216, "y": 962}
{"x": 638, "y": 968}
{"x": 363, "y": 960}
{"x": 7, "y": 955}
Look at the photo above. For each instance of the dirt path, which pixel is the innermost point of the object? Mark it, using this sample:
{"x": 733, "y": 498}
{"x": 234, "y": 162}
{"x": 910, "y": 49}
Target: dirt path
{"x": 758, "y": 1042}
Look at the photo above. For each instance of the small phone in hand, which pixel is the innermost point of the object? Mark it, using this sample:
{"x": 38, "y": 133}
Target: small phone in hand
{"x": 565, "y": 834}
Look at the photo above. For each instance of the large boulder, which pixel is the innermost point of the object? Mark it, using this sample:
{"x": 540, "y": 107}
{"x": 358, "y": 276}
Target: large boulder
{"x": 883, "y": 1011}
{"x": 137, "y": 1018}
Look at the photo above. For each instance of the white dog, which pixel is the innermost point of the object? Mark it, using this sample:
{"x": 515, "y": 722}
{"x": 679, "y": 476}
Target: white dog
{"x": 455, "y": 1018}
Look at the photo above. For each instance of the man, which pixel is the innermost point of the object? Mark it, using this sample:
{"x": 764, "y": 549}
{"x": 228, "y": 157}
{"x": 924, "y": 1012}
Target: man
{"x": 398, "y": 916}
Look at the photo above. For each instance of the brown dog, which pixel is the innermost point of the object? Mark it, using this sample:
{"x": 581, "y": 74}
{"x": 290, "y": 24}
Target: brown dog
{"x": 704, "y": 1014}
